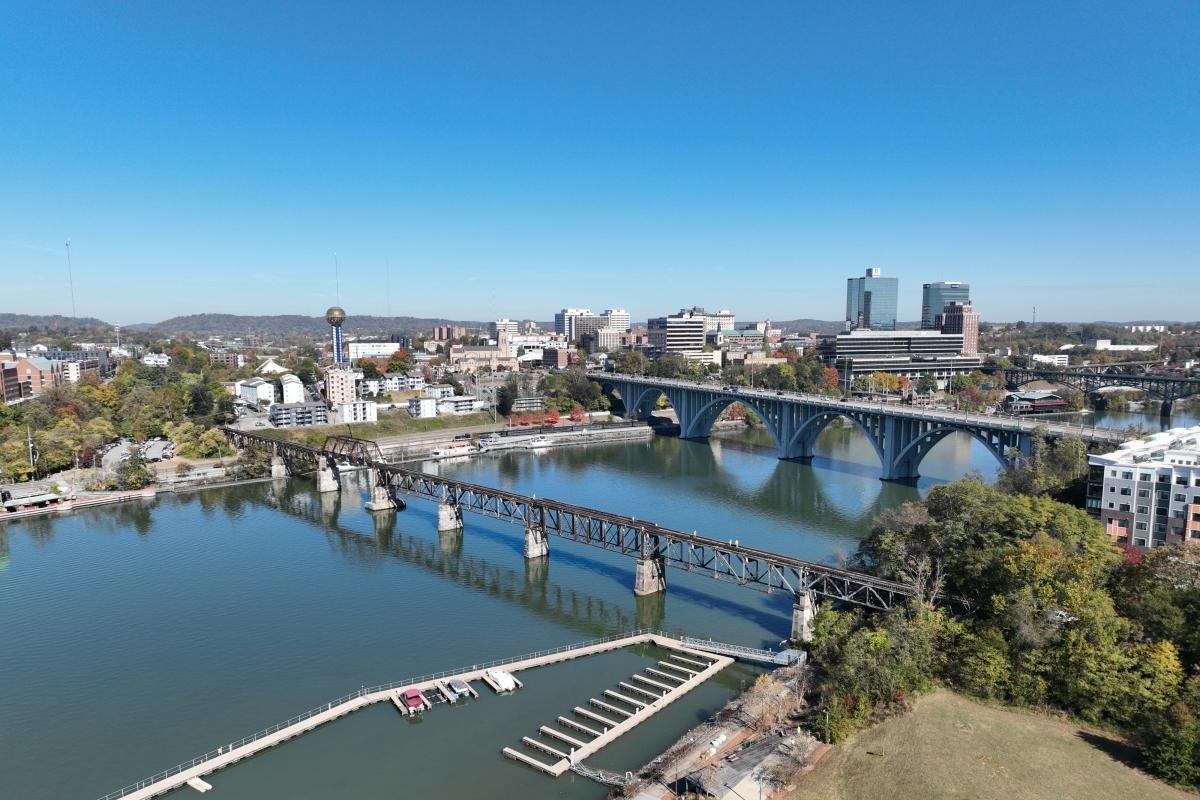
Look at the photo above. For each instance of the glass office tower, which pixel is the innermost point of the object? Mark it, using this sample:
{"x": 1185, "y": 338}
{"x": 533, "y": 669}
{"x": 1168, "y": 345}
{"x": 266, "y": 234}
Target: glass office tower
{"x": 936, "y": 296}
{"x": 871, "y": 301}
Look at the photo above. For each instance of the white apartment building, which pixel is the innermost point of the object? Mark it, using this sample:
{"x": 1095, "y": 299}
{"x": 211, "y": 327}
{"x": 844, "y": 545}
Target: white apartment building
{"x": 391, "y": 382}
{"x": 616, "y": 318}
{"x": 293, "y": 389}
{"x": 357, "y": 411}
{"x": 462, "y": 404}
{"x": 256, "y": 390}
{"x": 1056, "y": 360}
{"x": 1147, "y": 491}
{"x": 341, "y": 384}
{"x": 439, "y": 391}
{"x": 423, "y": 407}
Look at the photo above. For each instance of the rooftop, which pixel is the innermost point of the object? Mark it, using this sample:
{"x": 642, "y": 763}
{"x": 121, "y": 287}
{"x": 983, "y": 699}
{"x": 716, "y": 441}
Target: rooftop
{"x": 1178, "y": 445}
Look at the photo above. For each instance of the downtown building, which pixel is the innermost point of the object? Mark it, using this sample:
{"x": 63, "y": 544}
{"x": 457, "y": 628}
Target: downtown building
{"x": 1147, "y": 491}
{"x": 682, "y": 334}
{"x": 936, "y": 296}
{"x": 961, "y": 319}
{"x": 871, "y": 301}
{"x": 909, "y": 354}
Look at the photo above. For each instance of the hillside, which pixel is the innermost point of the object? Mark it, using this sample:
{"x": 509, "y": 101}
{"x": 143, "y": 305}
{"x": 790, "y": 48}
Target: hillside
{"x": 55, "y": 322}
{"x": 287, "y": 325}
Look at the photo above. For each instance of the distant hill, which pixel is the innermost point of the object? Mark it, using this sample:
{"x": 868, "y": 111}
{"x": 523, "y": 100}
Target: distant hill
{"x": 53, "y": 322}
{"x": 287, "y": 325}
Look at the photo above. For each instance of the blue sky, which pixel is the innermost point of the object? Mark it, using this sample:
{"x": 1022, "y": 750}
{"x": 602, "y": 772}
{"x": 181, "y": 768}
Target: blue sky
{"x": 506, "y": 159}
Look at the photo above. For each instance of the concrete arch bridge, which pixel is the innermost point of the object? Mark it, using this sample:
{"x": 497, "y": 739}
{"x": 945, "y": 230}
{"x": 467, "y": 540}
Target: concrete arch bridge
{"x": 901, "y": 435}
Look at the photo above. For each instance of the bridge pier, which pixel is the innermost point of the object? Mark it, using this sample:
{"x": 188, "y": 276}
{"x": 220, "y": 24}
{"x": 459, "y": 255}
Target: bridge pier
{"x": 536, "y": 544}
{"x": 381, "y": 495}
{"x": 278, "y": 467}
{"x": 449, "y": 517}
{"x": 803, "y": 612}
{"x": 648, "y": 577}
{"x": 327, "y": 477}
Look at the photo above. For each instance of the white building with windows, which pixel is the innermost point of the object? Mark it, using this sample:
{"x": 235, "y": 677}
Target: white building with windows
{"x": 423, "y": 407}
{"x": 156, "y": 360}
{"x": 439, "y": 391}
{"x": 357, "y": 411}
{"x": 461, "y": 404}
{"x": 293, "y": 388}
{"x": 257, "y": 390}
{"x": 1056, "y": 360}
{"x": 1147, "y": 491}
{"x": 616, "y": 318}
{"x": 365, "y": 349}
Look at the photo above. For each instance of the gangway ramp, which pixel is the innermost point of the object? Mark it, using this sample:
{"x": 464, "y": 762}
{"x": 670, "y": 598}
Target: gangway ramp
{"x": 782, "y": 658}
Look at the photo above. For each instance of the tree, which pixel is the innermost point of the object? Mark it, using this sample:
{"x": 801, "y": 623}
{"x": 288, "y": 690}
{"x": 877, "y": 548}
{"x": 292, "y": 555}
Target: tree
{"x": 631, "y": 362}
{"x": 927, "y": 383}
{"x": 369, "y": 368}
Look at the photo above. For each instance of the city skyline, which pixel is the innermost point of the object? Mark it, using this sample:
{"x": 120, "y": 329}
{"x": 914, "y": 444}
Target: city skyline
{"x": 494, "y": 165}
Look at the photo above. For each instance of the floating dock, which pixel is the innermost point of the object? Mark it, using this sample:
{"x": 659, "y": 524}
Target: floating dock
{"x": 582, "y": 740}
{"x": 210, "y": 762}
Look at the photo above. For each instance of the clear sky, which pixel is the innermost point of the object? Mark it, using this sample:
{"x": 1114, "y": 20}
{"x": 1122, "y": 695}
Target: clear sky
{"x": 507, "y": 159}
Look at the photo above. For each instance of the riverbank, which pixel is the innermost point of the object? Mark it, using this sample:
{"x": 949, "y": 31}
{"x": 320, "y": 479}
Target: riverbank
{"x": 751, "y": 747}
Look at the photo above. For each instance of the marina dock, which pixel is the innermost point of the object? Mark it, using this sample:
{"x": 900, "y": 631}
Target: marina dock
{"x": 183, "y": 774}
{"x": 634, "y": 712}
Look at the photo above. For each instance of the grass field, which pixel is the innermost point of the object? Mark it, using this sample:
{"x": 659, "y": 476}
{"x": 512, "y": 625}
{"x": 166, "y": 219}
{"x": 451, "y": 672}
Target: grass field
{"x": 951, "y": 747}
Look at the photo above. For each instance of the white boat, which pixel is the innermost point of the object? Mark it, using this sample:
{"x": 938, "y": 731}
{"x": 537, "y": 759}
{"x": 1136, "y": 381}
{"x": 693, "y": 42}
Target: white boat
{"x": 536, "y": 442}
{"x": 453, "y": 450}
{"x": 503, "y": 680}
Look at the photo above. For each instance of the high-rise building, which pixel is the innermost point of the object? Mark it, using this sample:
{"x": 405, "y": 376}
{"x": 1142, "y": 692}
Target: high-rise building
{"x": 871, "y": 302}
{"x": 960, "y": 318}
{"x": 340, "y": 380}
{"x": 502, "y": 327}
{"x": 935, "y": 296}
{"x": 617, "y": 318}
{"x": 563, "y": 319}
{"x": 723, "y": 320}
{"x": 678, "y": 333}
{"x": 335, "y": 316}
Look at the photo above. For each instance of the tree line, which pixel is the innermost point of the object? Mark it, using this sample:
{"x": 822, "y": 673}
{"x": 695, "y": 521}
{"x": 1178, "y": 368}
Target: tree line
{"x": 1022, "y": 599}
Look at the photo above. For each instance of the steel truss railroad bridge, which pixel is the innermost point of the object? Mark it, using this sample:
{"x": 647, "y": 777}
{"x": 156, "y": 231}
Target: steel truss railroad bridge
{"x": 901, "y": 435}
{"x": 653, "y": 546}
{"x": 1167, "y": 388}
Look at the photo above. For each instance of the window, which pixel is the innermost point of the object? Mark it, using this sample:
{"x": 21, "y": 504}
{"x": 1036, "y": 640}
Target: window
{"x": 1180, "y": 498}
{"x": 1141, "y": 526}
{"x": 1125, "y": 491}
{"x": 1139, "y": 542}
{"x": 1143, "y": 510}
{"x": 1181, "y": 480}
{"x": 1145, "y": 476}
{"x": 1143, "y": 493}
{"x": 1124, "y": 506}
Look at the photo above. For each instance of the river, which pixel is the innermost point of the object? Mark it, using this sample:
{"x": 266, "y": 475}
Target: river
{"x": 138, "y": 636}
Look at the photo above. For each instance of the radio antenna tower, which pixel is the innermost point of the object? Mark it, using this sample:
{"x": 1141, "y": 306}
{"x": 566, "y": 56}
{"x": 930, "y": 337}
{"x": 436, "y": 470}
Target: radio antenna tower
{"x": 71, "y": 279}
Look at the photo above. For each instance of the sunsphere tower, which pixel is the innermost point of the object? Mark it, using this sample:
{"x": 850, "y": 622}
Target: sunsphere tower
{"x": 335, "y": 316}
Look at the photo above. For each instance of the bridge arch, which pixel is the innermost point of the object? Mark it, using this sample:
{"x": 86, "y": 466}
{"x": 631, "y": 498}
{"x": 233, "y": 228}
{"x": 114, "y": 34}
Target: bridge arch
{"x": 800, "y": 444}
{"x": 910, "y": 456}
{"x": 701, "y": 421}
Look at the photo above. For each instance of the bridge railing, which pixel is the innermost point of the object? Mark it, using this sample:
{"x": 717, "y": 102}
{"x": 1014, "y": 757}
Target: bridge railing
{"x": 1021, "y": 423}
{"x": 361, "y": 693}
